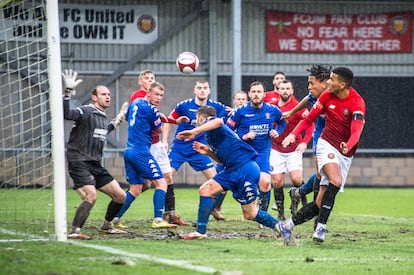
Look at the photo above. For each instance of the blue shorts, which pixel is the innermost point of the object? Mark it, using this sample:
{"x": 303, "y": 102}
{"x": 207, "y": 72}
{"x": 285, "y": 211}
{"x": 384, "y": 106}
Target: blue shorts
{"x": 242, "y": 182}
{"x": 319, "y": 125}
{"x": 315, "y": 142}
{"x": 263, "y": 160}
{"x": 141, "y": 165}
{"x": 181, "y": 154}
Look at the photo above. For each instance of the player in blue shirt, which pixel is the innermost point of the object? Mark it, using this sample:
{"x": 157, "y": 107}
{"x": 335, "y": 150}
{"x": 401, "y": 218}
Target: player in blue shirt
{"x": 317, "y": 83}
{"x": 254, "y": 123}
{"x": 239, "y": 98}
{"x": 140, "y": 165}
{"x": 181, "y": 151}
{"x": 241, "y": 173}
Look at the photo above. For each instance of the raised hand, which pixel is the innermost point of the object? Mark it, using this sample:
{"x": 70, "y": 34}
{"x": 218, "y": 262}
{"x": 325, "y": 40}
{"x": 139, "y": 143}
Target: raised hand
{"x": 121, "y": 115}
{"x": 70, "y": 81}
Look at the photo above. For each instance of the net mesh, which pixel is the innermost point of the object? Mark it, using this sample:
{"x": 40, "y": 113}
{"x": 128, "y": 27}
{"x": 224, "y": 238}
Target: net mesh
{"x": 25, "y": 133}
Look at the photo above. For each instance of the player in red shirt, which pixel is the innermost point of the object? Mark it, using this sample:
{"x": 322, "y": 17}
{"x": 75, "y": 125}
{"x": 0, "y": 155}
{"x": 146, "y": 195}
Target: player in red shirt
{"x": 273, "y": 97}
{"x": 288, "y": 159}
{"x": 145, "y": 78}
{"x": 344, "y": 111}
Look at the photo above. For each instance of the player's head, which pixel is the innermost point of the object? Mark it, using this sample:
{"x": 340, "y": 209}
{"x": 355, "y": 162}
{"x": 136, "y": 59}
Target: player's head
{"x": 317, "y": 79}
{"x": 101, "y": 97}
{"x": 145, "y": 78}
{"x": 345, "y": 75}
{"x": 202, "y": 89}
{"x": 320, "y": 72}
{"x": 155, "y": 93}
{"x": 239, "y": 98}
{"x": 204, "y": 113}
{"x": 285, "y": 90}
{"x": 341, "y": 79}
{"x": 256, "y": 93}
{"x": 277, "y": 78}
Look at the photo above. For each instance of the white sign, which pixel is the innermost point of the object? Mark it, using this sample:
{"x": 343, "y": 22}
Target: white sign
{"x": 136, "y": 24}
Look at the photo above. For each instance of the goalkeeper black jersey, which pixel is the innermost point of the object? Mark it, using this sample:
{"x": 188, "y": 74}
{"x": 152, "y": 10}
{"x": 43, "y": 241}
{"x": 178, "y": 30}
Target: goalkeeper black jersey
{"x": 88, "y": 135}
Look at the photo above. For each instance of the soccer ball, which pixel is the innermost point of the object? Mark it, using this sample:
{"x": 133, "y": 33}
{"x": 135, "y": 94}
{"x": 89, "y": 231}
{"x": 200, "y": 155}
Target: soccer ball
{"x": 187, "y": 62}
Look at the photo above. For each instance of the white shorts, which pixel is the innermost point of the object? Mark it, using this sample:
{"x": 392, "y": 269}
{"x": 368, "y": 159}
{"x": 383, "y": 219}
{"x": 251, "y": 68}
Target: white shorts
{"x": 281, "y": 163}
{"x": 326, "y": 153}
{"x": 158, "y": 152}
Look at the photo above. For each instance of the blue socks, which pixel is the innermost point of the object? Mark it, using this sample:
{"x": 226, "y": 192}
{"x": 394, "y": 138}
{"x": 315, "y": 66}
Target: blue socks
{"x": 308, "y": 186}
{"x": 159, "y": 202}
{"x": 266, "y": 219}
{"x": 204, "y": 210}
{"x": 127, "y": 203}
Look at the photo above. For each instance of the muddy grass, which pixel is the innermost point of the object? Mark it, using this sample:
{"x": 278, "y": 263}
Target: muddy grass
{"x": 141, "y": 229}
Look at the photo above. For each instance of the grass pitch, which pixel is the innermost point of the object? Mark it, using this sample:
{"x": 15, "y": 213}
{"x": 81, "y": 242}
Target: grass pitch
{"x": 371, "y": 231}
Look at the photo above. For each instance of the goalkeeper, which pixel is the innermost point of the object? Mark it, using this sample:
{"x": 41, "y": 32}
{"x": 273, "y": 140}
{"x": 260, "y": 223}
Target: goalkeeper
{"x": 84, "y": 154}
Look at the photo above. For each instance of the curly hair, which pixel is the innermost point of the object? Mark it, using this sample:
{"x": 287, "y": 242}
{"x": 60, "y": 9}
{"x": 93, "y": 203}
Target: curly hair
{"x": 320, "y": 72}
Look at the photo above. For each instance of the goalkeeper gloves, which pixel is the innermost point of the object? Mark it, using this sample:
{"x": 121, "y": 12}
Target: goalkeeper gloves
{"x": 121, "y": 115}
{"x": 70, "y": 82}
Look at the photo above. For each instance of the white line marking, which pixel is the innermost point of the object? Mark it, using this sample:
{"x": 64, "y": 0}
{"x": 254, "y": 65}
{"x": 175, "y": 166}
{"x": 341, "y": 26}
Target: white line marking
{"x": 377, "y": 216}
{"x": 21, "y": 240}
{"x": 180, "y": 264}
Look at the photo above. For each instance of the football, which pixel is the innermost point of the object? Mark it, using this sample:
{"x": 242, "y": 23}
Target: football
{"x": 187, "y": 62}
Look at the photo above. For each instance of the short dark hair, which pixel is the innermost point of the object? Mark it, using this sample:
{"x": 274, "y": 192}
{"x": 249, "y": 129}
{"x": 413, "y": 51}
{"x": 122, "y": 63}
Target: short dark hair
{"x": 345, "y": 75}
{"x": 320, "y": 72}
{"x": 279, "y": 72}
{"x": 257, "y": 82}
{"x": 95, "y": 90}
{"x": 206, "y": 111}
{"x": 286, "y": 81}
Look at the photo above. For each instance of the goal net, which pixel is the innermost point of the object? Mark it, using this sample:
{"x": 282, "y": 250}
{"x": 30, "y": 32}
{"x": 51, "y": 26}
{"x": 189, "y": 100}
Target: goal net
{"x": 26, "y": 125}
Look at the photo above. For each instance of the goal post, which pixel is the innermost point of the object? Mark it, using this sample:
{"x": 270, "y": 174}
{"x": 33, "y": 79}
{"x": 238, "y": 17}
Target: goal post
{"x": 32, "y": 146}
{"x": 55, "y": 96}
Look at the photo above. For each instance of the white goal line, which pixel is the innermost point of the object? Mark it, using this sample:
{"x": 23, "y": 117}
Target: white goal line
{"x": 111, "y": 250}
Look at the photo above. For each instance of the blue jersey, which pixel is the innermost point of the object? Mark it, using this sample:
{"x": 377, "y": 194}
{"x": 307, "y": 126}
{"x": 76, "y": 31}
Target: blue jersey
{"x": 142, "y": 118}
{"x": 229, "y": 148}
{"x": 319, "y": 124}
{"x": 189, "y": 108}
{"x": 258, "y": 120}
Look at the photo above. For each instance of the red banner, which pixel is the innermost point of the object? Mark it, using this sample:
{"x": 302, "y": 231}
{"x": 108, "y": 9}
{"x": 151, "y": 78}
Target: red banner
{"x": 350, "y": 33}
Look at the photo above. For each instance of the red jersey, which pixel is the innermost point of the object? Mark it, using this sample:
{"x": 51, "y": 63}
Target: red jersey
{"x": 155, "y": 135}
{"x": 292, "y": 122}
{"x": 344, "y": 119}
{"x": 137, "y": 94}
{"x": 272, "y": 97}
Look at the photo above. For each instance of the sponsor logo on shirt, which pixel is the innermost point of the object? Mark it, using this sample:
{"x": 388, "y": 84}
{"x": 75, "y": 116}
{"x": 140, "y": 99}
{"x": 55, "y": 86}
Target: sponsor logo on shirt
{"x": 259, "y": 129}
{"x": 100, "y": 134}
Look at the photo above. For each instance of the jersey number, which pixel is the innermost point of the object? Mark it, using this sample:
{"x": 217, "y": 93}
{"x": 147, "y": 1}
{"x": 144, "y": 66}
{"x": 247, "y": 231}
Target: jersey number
{"x": 134, "y": 113}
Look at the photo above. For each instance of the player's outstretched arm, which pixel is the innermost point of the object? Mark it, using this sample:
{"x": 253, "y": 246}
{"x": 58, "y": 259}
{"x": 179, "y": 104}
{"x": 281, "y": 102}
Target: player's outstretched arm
{"x": 121, "y": 116}
{"x": 70, "y": 81}
{"x": 186, "y": 135}
{"x": 204, "y": 149}
{"x": 301, "y": 105}
{"x": 209, "y": 125}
